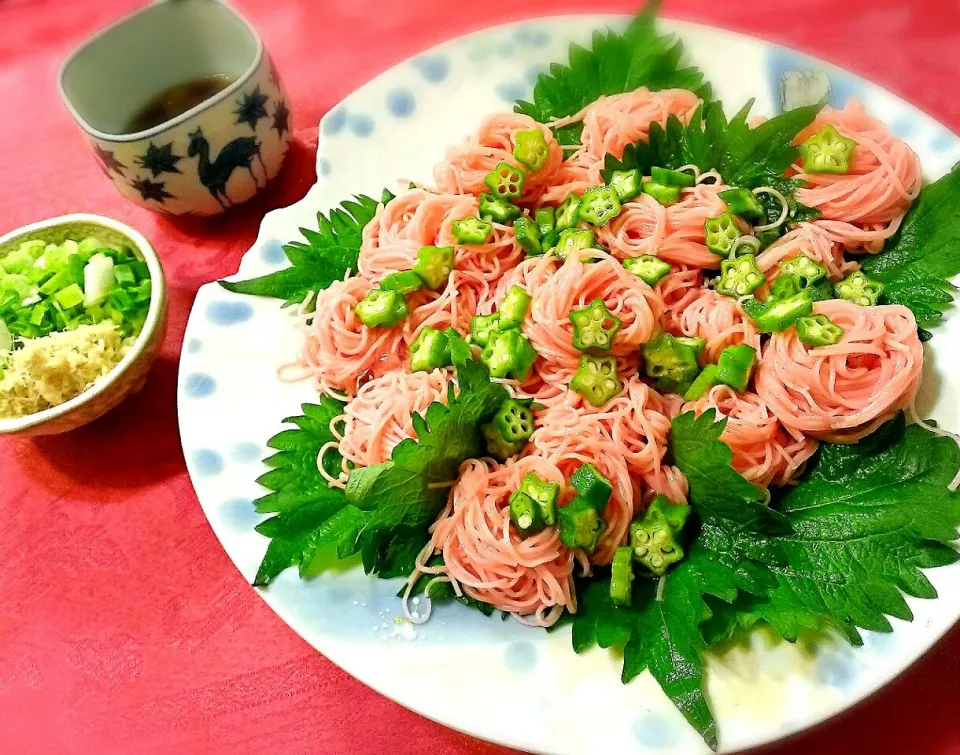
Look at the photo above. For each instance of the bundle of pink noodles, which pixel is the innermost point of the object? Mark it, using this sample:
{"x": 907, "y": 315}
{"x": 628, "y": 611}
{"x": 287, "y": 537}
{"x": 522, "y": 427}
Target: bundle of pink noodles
{"x": 843, "y": 392}
{"x": 486, "y": 558}
{"x": 558, "y": 289}
{"x": 864, "y": 207}
{"x": 467, "y": 164}
{"x": 609, "y": 125}
{"x": 763, "y": 451}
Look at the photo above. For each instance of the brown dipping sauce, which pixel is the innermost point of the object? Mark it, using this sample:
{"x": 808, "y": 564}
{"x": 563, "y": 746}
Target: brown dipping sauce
{"x": 176, "y": 101}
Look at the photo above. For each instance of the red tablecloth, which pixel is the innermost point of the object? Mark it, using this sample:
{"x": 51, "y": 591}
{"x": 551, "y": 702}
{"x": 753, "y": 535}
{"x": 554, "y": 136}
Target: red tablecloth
{"x": 124, "y": 628}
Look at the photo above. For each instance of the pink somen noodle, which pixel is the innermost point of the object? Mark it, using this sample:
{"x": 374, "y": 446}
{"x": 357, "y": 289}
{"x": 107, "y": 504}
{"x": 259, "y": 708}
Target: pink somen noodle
{"x": 558, "y": 289}
{"x": 420, "y": 218}
{"x": 809, "y": 239}
{"x": 719, "y": 320}
{"x": 340, "y": 353}
{"x": 763, "y": 451}
{"x": 667, "y": 481}
{"x": 843, "y": 392}
{"x": 609, "y": 125}
{"x": 675, "y": 233}
{"x": 588, "y": 442}
{"x": 866, "y": 205}
{"x": 381, "y": 415}
{"x": 468, "y": 164}
{"x": 678, "y": 290}
{"x": 485, "y": 557}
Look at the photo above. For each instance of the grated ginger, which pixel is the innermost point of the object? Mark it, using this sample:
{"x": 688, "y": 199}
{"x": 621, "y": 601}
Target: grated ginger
{"x": 48, "y": 371}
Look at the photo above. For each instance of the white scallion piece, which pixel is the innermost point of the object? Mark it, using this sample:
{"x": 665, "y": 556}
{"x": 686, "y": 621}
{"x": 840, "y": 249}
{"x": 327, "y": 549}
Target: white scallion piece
{"x": 6, "y": 340}
{"x": 97, "y": 279}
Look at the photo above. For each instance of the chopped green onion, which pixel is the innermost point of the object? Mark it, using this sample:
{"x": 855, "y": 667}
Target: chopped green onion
{"x": 123, "y": 274}
{"x": 98, "y": 279}
{"x": 69, "y": 297}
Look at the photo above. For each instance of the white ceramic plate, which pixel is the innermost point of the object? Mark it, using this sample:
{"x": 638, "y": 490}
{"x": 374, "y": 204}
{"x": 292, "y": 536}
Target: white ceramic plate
{"x": 462, "y": 669}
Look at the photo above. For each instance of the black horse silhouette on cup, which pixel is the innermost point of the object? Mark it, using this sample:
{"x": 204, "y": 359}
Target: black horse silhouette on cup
{"x": 236, "y": 154}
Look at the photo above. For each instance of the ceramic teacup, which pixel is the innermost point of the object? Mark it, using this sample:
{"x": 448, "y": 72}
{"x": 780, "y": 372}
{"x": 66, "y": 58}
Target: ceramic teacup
{"x": 213, "y": 156}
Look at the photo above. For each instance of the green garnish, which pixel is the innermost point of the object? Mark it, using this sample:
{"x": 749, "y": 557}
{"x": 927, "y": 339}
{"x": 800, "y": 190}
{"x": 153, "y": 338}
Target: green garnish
{"x": 818, "y": 330}
{"x": 651, "y": 270}
{"x": 50, "y": 288}
{"x": 505, "y": 181}
{"x": 382, "y": 308}
{"x": 532, "y": 149}
{"x": 594, "y": 327}
{"x": 827, "y": 151}
{"x": 597, "y": 379}
{"x": 471, "y": 230}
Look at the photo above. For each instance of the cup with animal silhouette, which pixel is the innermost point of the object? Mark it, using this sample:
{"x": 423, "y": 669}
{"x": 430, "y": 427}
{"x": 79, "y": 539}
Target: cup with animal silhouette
{"x": 182, "y": 105}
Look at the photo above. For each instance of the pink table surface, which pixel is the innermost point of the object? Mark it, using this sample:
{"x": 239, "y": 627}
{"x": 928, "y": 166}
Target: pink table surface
{"x": 124, "y": 627}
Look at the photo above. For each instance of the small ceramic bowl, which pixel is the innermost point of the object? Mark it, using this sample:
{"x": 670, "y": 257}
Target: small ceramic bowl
{"x": 131, "y": 373}
{"x": 215, "y": 155}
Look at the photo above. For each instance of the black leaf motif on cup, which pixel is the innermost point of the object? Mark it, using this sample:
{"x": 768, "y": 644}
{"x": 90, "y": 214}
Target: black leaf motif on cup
{"x": 108, "y": 161}
{"x": 159, "y": 159}
{"x": 151, "y": 190}
{"x": 281, "y": 118}
{"x": 252, "y": 107}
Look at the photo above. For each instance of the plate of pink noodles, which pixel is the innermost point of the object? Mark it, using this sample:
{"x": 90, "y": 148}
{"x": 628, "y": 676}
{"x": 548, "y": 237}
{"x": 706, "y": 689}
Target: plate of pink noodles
{"x": 585, "y": 349}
